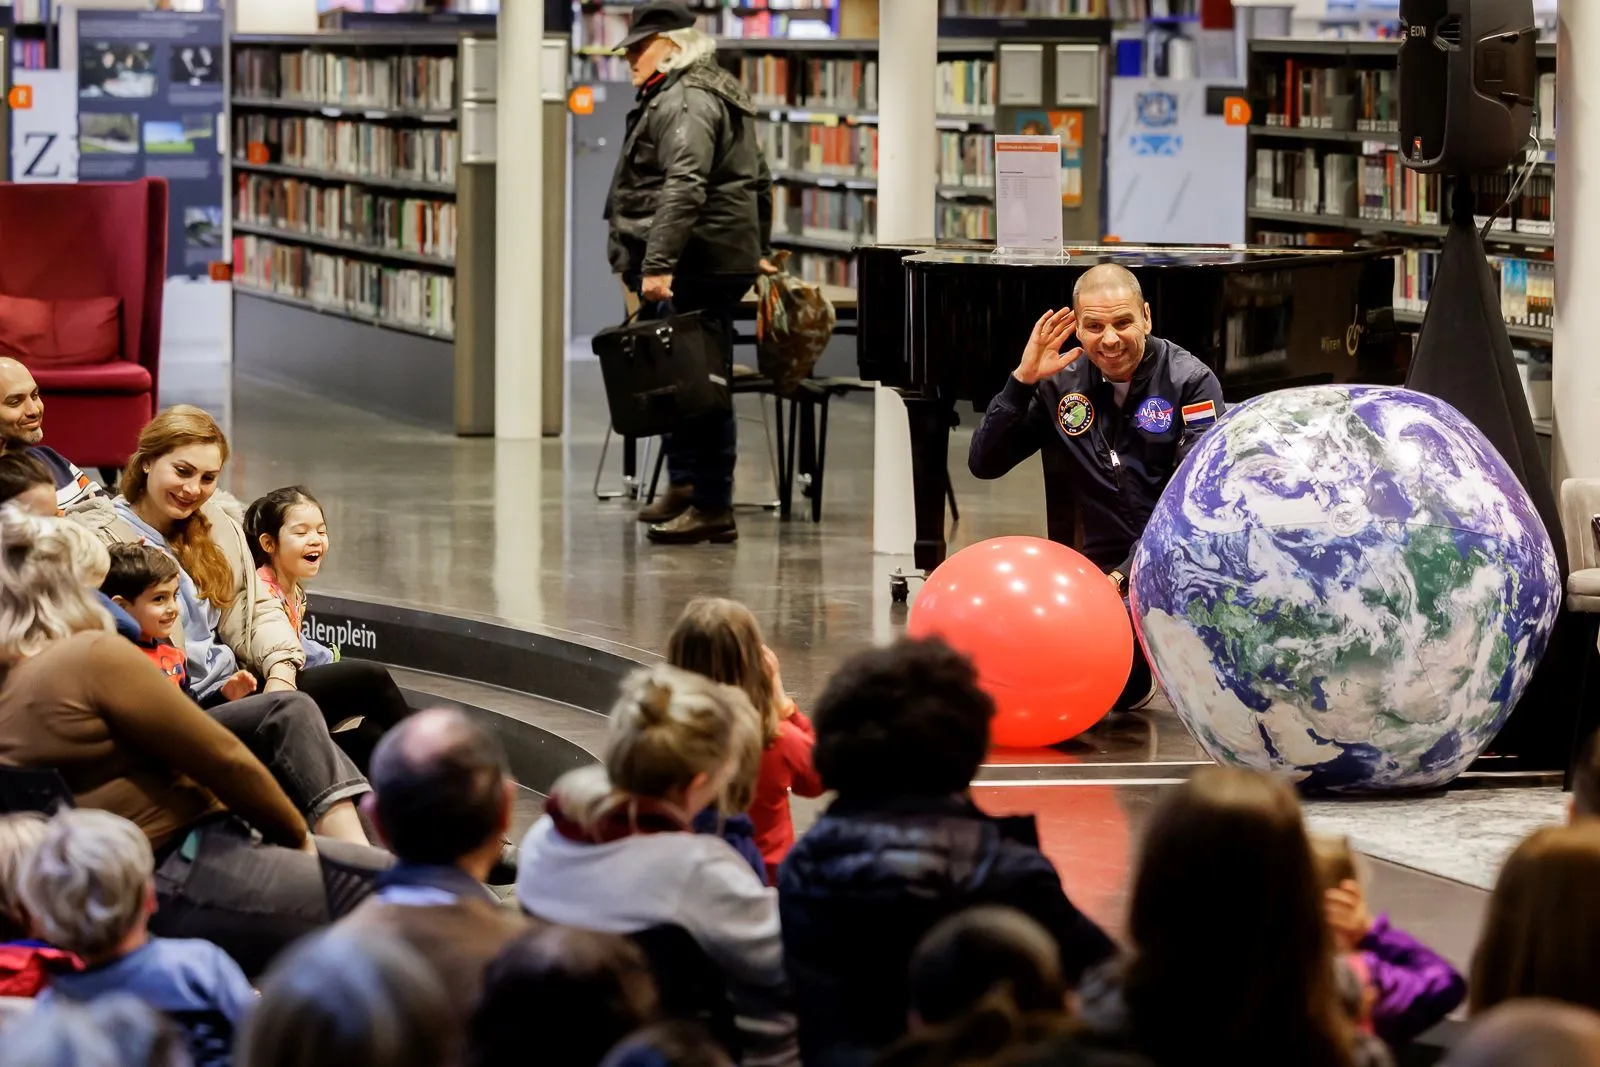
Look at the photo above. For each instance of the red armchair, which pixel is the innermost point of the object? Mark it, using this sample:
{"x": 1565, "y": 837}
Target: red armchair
{"x": 82, "y": 277}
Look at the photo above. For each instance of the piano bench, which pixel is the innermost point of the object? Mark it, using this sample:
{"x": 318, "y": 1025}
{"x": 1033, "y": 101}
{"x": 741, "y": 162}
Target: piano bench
{"x": 811, "y": 453}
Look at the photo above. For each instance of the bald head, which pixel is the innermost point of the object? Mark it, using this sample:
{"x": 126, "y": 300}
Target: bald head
{"x": 1531, "y": 1033}
{"x": 1112, "y": 319}
{"x": 21, "y": 410}
{"x": 440, "y": 788}
{"x": 1103, "y": 278}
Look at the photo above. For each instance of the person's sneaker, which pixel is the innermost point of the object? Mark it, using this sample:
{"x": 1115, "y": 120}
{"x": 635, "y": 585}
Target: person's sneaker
{"x": 668, "y": 506}
{"x": 694, "y": 526}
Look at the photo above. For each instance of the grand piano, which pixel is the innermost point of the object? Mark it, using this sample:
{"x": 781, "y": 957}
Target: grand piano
{"x": 943, "y": 324}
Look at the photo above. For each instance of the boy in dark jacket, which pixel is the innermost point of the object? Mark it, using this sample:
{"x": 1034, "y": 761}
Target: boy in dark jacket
{"x": 901, "y": 731}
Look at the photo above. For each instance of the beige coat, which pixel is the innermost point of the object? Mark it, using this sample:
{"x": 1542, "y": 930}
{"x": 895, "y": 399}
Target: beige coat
{"x": 254, "y": 625}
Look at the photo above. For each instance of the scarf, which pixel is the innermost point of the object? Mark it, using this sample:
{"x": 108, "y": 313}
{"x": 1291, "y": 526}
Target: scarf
{"x": 636, "y": 815}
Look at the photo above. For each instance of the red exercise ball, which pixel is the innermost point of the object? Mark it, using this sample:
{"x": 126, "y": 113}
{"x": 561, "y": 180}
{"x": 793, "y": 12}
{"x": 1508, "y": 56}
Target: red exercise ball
{"x": 1044, "y": 627}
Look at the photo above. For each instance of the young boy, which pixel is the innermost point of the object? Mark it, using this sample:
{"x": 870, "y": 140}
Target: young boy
{"x": 143, "y": 581}
{"x": 89, "y": 889}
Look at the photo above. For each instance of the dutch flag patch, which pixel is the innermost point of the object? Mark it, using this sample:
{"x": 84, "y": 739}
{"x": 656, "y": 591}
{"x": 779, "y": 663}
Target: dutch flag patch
{"x": 1199, "y": 415}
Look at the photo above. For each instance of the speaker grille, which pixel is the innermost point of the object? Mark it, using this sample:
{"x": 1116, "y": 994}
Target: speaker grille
{"x": 1448, "y": 31}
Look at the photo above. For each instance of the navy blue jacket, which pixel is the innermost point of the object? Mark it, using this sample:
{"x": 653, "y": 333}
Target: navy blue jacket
{"x": 862, "y": 887}
{"x": 1118, "y": 460}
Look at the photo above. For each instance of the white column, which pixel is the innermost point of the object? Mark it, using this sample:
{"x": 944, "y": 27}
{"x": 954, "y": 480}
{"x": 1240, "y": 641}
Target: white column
{"x": 518, "y": 224}
{"x": 269, "y": 16}
{"x": 1575, "y": 381}
{"x": 908, "y": 151}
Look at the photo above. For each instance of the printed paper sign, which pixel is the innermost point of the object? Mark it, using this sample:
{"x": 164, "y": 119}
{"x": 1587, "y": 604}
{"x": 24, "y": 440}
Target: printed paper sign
{"x": 1027, "y": 193}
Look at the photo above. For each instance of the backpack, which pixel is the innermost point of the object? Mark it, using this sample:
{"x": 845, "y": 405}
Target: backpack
{"x": 793, "y": 324}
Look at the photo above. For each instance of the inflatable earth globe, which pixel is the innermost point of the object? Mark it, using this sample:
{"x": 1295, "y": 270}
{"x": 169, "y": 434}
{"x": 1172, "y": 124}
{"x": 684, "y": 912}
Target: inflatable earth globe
{"x": 1345, "y": 585}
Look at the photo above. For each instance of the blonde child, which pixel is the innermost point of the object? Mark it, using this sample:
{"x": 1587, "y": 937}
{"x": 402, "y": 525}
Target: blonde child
{"x": 721, "y": 640}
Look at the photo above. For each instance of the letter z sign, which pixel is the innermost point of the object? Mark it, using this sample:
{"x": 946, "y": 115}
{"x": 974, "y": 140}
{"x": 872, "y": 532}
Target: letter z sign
{"x": 44, "y": 130}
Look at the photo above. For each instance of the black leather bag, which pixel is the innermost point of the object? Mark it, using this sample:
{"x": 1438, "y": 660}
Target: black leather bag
{"x": 660, "y": 373}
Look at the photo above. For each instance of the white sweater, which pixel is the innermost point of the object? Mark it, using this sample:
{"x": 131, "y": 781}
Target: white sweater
{"x": 695, "y": 881}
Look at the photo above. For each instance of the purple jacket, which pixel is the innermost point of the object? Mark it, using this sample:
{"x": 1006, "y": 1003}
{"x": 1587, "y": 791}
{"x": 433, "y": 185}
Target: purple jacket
{"x": 1415, "y": 986}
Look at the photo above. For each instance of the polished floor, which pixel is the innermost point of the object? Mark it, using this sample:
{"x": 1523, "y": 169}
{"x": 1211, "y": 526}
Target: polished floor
{"x": 511, "y": 531}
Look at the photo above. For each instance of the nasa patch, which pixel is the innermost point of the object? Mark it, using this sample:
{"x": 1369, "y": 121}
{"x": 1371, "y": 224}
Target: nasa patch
{"x": 1074, "y": 414}
{"x": 1154, "y": 415}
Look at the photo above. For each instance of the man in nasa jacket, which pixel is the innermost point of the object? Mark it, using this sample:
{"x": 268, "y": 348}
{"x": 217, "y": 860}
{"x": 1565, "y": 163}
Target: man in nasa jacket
{"x": 1120, "y": 420}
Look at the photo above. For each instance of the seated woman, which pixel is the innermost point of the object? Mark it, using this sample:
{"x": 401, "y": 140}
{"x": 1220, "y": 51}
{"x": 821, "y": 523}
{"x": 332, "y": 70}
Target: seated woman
{"x": 1227, "y": 852}
{"x": 76, "y": 697}
{"x": 230, "y": 619}
{"x": 615, "y": 852}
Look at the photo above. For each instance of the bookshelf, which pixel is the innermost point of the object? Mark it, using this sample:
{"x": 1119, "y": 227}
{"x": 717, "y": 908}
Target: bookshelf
{"x": 350, "y": 201}
{"x": 818, "y": 103}
{"x": 1324, "y": 169}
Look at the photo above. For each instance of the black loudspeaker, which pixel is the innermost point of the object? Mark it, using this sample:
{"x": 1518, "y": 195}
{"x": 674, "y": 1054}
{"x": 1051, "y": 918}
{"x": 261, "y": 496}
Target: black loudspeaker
{"x": 1467, "y": 83}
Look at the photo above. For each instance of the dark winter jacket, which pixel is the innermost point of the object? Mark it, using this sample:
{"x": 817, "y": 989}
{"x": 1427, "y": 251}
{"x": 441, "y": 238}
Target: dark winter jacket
{"x": 1119, "y": 459}
{"x": 691, "y": 194}
{"x": 863, "y": 886}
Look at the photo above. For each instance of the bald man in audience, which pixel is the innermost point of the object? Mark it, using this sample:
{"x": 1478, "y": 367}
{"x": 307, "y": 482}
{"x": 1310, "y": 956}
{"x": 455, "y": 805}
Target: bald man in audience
{"x": 22, "y": 428}
{"x": 1114, "y": 415}
{"x": 1530, "y": 1033}
{"x": 441, "y": 801}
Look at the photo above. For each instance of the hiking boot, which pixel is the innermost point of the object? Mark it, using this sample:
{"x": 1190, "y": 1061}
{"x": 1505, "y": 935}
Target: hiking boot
{"x": 694, "y": 526}
{"x": 668, "y": 506}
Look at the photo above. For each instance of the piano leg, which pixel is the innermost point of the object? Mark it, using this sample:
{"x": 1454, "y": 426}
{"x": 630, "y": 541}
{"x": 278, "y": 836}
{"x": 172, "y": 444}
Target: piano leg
{"x": 930, "y": 474}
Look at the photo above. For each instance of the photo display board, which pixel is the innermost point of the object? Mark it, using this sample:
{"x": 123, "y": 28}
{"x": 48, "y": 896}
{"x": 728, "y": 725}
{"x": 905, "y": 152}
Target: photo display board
{"x": 150, "y": 104}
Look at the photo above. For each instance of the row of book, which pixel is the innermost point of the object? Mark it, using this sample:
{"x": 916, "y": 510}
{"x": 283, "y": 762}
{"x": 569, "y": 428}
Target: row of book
{"x": 350, "y": 213}
{"x": 603, "y": 29}
{"x": 966, "y": 159}
{"x": 829, "y": 214}
{"x": 358, "y": 149}
{"x": 1380, "y": 188}
{"x": 1122, "y": 10}
{"x": 964, "y": 86}
{"x": 1331, "y": 98}
{"x": 418, "y": 299}
{"x": 841, "y": 150}
{"x": 1025, "y": 8}
{"x": 30, "y": 55}
{"x": 965, "y": 222}
{"x": 823, "y": 268}
{"x": 1527, "y": 286}
{"x": 406, "y": 81}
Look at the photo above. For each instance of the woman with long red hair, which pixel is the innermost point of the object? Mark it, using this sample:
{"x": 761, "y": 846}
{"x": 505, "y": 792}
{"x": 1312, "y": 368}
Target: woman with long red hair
{"x": 234, "y": 632}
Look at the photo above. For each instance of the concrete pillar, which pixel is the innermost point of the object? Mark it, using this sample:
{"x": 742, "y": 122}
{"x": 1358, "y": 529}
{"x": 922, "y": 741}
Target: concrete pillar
{"x": 1575, "y": 369}
{"x": 266, "y": 16}
{"x": 908, "y": 151}
{"x": 519, "y": 224}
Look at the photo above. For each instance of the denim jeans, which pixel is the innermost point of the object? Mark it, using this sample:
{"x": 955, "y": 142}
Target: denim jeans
{"x": 286, "y": 732}
{"x": 250, "y": 898}
{"x": 704, "y": 451}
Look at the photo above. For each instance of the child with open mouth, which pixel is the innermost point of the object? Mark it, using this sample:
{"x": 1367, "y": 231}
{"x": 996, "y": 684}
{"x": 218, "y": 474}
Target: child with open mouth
{"x": 289, "y": 538}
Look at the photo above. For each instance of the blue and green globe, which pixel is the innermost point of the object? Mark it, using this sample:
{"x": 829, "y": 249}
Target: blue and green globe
{"x": 1345, "y": 585}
